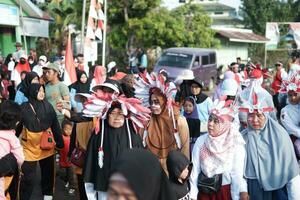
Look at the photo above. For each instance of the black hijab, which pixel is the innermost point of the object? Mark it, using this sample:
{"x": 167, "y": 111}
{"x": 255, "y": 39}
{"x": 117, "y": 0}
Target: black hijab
{"x": 43, "y": 109}
{"x": 144, "y": 174}
{"x": 79, "y": 86}
{"x": 114, "y": 143}
{"x": 201, "y": 97}
{"x": 24, "y": 85}
{"x": 176, "y": 163}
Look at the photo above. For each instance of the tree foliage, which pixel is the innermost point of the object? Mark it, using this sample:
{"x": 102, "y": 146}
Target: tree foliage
{"x": 185, "y": 26}
{"x": 257, "y": 12}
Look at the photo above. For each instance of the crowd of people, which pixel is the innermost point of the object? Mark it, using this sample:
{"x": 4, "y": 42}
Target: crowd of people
{"x": 140, "y": 135}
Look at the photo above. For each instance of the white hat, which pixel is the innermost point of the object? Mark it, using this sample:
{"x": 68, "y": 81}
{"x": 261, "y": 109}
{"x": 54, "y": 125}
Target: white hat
{"x": 110, "y": 66}
{"x": 24, "y": 56}
{"x": 229, "y": 87}
{"x": 186, "y": 75}
{"x": 44, "y": 58}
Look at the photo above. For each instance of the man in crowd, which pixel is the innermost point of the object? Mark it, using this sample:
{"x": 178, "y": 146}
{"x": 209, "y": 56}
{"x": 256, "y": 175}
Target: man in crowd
{"x": 56, "y": 91}
{"x": 39, "y": 67}
{"x": 19, "y": 52}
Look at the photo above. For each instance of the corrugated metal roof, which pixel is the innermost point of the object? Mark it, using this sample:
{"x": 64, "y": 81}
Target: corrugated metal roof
{"x": 237, "y": 36}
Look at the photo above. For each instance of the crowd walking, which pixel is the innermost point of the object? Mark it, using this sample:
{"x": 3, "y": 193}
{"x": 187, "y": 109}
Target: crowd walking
{"x": 140, "y": 135}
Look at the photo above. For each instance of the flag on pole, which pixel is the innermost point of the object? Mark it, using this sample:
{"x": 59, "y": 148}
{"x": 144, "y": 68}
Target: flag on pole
{"x": 70, "y": 71}
{"x": 95, "y": 28}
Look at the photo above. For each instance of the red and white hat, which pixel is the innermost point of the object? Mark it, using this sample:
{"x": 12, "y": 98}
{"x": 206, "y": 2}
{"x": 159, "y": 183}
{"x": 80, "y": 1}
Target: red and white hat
{"x": 291, "y": 84}
{"x": 224, "y": 110}
{"x": 255, "y": 104}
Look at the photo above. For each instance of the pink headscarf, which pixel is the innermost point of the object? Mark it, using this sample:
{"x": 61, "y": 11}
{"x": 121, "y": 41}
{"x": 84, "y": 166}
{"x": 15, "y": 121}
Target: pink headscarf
{"x": 217, "y": 152}
{"x": 99, "y": 74}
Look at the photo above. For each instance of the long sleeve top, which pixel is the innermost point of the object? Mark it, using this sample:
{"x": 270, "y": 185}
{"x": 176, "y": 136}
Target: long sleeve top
{"x": 290, "y": 119}
{"x": 204, "y": 108}
{"x": 233, "y": 175}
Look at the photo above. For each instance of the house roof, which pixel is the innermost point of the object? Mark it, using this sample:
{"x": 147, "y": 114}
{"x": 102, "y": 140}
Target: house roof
{"x": 32, "y": 10}
{"x": 242, "y": 36}
{"x": 216, "y": 7}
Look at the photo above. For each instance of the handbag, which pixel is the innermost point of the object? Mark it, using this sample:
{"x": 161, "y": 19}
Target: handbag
{"x": 78, "y": 157}
{"x": 47, "y": 140}
{"x": 209, "y": 185}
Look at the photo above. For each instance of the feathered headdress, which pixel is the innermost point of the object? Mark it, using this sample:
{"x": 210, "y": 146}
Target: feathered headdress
{"x": 291, "y": 84}
{"x": 148, "y": 82}
{"x": 97, "y": 105}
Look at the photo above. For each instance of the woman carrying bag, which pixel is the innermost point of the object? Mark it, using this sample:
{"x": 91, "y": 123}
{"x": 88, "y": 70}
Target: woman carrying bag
{"x": 40, "y": 136}
{"x": 218, "y": 159}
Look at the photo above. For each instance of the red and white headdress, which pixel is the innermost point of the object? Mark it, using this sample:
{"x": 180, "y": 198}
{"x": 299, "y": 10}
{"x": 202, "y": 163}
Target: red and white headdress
{"x": 291, "y": 84}
{"x": 146, "y": 83}
{"x": 223, "y": 110}
{"x": 255, "y": 104}
{"x": 97, "y": 105}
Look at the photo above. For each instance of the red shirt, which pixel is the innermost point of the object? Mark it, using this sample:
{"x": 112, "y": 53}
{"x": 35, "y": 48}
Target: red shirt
{"x": 277, "y": 82}
{"x": 63, "y": 154}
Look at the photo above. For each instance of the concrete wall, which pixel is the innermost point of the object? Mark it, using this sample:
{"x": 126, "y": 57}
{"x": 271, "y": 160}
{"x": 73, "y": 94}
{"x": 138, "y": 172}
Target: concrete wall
{"x": 229, "y": 51}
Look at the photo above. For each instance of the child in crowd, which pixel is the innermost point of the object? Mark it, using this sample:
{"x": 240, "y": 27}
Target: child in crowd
{"x": 9, "y": 143}
{"x": 179, "y": 168}
{"x": 192, "y": 118}
{"x": 64, "y": 162}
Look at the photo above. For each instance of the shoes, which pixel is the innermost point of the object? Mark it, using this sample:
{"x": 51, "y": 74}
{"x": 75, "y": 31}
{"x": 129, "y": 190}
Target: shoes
{"x": 67, "y": 185}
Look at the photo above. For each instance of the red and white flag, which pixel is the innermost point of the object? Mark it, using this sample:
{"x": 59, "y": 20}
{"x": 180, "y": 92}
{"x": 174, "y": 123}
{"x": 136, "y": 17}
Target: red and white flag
{"x": 70, "y": 71}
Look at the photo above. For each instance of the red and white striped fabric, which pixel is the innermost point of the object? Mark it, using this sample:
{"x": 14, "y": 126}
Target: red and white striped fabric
{"x": 95, "y": 20}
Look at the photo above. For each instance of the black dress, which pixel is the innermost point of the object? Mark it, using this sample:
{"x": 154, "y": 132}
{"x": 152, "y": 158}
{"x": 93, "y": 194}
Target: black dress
{"x": 115, "y": 142}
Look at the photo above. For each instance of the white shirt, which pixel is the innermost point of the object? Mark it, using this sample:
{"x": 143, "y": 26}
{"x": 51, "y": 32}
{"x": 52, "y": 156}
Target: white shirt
{"x": 290, "y": 119}
{"x": 233, "y": 175}
{"x": 38, "y": 69}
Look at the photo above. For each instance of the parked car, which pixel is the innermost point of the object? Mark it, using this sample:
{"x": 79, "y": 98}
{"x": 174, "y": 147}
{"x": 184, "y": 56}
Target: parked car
{"x": 201, "y": 61}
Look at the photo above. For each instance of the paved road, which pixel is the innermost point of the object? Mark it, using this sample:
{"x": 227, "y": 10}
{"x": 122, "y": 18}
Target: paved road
{"x": 60, "y": 191}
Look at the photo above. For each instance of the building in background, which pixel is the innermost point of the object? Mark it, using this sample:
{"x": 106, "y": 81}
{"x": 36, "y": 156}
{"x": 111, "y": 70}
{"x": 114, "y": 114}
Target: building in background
{"x": 33, "y": 24}
{"x": 229, "y": 28}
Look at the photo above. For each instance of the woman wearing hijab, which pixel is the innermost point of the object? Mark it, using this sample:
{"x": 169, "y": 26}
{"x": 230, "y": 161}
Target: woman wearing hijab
{"x": 192, "y": 118}
{"x": 99, "y": 76}
{"x": 115, "y": 132}
{"x": 220, "y": 153}
{"x": 38, "y": 116}
{"x": 203, "y": 102}
{"x": 166, "y": 130}
{"x": 22, "y": 93}
{"x": 139, "y": 176}
{"x": 82, "y": 85}
{"x": 272, "y": 170}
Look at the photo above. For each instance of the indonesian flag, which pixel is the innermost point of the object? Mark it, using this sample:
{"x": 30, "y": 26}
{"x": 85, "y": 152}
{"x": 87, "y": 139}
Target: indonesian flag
{"x": 70, "y": 71}
{"x": 95, "y": 20}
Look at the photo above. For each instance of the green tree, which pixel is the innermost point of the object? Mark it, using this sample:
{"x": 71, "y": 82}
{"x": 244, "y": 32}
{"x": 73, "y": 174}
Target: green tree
{"x": 64, "y": 13}
{"x": 257, "y": 12}
{"x": 186, "y": 26}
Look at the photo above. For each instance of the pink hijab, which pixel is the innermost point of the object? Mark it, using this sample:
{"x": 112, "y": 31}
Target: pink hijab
{"x": 99, "y": 74}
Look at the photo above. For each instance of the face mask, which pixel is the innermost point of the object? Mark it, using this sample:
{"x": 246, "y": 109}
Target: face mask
{"x": 41, "y": 62}
{"x": 154, "y": 106}
{"x": 31, "y": 62}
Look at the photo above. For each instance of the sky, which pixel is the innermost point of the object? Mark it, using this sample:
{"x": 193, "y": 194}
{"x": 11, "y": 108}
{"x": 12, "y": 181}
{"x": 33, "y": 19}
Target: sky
{"x": 173, "y": 3}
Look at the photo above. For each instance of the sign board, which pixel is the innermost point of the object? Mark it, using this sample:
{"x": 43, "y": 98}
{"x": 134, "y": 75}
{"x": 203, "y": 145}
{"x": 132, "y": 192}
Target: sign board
{"x": 9, "y": 15}
{"x": 283, "y": 35}
{"x": 35, "y": 27}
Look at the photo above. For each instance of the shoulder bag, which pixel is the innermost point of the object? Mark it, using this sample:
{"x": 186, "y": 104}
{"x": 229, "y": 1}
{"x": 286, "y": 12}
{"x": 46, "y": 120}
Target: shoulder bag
{"x": 47, "y": 140}
{"x": 209, "y": 185}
